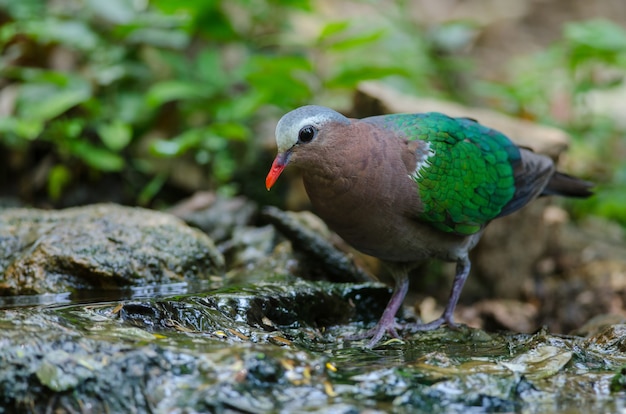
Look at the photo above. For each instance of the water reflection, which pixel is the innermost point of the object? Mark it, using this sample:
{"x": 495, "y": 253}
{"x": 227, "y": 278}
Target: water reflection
{"x": 84, "y": 296}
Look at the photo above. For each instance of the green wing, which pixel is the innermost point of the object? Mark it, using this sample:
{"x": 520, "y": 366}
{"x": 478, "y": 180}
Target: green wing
{"x": 467, "y": 176}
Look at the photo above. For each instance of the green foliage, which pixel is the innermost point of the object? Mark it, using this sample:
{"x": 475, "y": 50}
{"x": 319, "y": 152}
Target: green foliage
{"x": 113, "y": 85}
{"x": 92, "y": 88}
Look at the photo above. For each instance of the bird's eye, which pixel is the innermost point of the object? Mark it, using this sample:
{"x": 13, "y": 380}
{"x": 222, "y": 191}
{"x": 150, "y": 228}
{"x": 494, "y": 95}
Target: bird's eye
{"x": 306, "y": 134}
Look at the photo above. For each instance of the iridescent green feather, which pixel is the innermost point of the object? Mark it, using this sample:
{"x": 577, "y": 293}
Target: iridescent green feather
{"x": 469, "y": 178}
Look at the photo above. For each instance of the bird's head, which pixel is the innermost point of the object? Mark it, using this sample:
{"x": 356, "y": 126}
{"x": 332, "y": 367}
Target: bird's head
{"x": 301, "y": 128}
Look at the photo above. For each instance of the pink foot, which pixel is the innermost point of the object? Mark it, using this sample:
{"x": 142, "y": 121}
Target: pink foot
{"x": 377, "y": 332}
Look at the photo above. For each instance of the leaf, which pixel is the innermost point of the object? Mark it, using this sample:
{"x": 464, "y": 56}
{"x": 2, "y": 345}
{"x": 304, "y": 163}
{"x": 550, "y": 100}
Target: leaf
{"x": 243, "y": 107}
{"x": 356, "y": 41}
{"x": 26, "y": 129}
{"x": 113, "y": 11}
{"x": 167, "y": 38}
{"x": 58, "y": 178}
{"x": 37, "y": 75}
{"x": 151, "y": 189}
{"x": 129, "y": 107}
{"x": 44, "y": 101}
{"x": 224, "y": 167}
{"x": 598, "y": 34}
{"x": 73, "y": 33}
{"x": 22, "y": 10}
{"x": 179, "y": 144}
{"x": 115, "y": 135}
{"x": 167, "y": 91}
{"x": 166, "y": 148}
{"x": 281, "y": 80}
{"x": 349, "y": 77}
{"x": 98, "y": 158}
{"x": 7, "y": 32}
{"x": 331, "y": 29}
{"x": 209, "y": 67}
{"x": 233, "y": 131}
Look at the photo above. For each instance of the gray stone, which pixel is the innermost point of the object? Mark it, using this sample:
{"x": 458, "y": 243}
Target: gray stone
{"x": 103, "y": 246}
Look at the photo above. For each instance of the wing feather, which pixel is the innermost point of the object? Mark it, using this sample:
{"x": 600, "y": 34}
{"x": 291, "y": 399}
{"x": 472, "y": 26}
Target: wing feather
{"x": 473, "y": 174}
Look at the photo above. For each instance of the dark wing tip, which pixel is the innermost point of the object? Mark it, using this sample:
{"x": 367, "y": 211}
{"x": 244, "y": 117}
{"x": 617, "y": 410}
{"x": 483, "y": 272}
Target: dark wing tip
{"x": 566, "y": 185}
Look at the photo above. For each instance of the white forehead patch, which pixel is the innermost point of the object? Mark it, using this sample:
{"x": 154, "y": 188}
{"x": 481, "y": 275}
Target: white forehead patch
{"x": 292, "y": 122}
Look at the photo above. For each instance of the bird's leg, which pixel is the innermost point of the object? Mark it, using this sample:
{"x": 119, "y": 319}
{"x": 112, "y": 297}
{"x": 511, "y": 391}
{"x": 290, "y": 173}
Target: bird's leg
{"x": 463, "y": 266}
{"x": 387, "y": 322}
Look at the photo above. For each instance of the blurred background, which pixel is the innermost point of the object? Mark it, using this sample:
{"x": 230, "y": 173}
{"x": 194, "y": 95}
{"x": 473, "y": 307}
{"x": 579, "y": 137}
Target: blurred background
{"x": 145, "y": 102}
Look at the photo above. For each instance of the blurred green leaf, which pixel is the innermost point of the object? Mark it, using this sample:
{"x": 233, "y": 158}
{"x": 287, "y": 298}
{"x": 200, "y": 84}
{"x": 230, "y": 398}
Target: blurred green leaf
{"x": 168, "y": 38}
{"x": 351, "y": 42}
{"x": 171, "y": 90}
{"x": 7, "y": 32}
{"x": 349, "y": 77}
{"x": 151, "y": 189}
{"x": 608, "y": 203}
{"x": 599, "y": 35}
{"x": 72, "y": 33}
{"x": 115, "y": 135}
{"x": 166, "y": 148}
{"x": 230, "y": 130}
{"x": 63, "y": 130}
{"x": 24, "y": 9}
{"x": 44, "y": 101}
{"x": 23, "y": 128}
{"x": 280, "y": 79}
{"x": 332, "y": 28}
{"x": 244, "y": 106}
{"x": 113, "y": 11}
{"x": 209, "y": 68}
{"x": 58, "y": 178}
{"x": 99, "y": 158}
{"x": 224, "y": 167}
{"x": 53, "y": 77}
{"x": 178, "y": 145}
{"x": 129, "y": 108}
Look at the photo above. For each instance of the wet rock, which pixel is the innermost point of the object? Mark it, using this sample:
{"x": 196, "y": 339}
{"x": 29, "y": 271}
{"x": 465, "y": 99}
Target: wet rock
{"x": 323, "y": 256}
{"x": 272, "y": 348}
{"x": 249, "y": 245}
{"x": 610, "y": 340}
{"x": 598, "y": 324}
{"x": 257, "y": 312}
{"x": 229, "y": 350}
{"x": 216, "y": 216}
{"x": 99, "y": 246}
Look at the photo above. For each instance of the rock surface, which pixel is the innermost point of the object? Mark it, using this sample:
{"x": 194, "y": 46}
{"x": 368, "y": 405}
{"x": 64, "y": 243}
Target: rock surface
{"x": 277, "y": 347}
{"x": 270, "y": 342}
{"x": 102, "y": 246}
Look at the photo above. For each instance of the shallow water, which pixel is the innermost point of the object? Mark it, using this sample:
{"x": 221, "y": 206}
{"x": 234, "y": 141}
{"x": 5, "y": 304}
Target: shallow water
{"x": 262, "y": 348}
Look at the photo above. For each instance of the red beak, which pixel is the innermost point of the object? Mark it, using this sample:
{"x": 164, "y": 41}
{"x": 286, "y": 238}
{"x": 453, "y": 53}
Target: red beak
{"x": 279, "y": 164}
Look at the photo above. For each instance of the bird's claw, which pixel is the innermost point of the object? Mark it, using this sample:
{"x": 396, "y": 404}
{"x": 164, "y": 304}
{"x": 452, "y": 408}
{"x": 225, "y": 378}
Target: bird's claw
{"x": 377, "y": 332}
{"x": 431, "y": 326}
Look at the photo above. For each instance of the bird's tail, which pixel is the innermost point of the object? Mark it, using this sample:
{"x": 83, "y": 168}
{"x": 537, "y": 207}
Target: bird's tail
{"x": 565, "y": 185}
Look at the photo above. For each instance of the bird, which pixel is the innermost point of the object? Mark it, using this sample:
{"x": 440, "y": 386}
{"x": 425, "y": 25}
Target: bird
{"x": 409, "y": 187}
